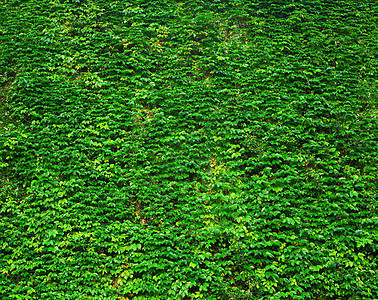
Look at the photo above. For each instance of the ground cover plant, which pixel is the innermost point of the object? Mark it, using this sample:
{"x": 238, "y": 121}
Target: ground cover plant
{"x": 188, "y": 149}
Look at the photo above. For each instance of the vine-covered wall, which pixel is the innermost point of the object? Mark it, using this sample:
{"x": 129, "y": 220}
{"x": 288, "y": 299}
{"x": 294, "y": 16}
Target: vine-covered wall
{"x": 188, "y": 149}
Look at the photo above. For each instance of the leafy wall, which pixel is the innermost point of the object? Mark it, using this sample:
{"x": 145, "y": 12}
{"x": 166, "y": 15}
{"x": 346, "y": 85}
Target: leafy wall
{"x": 188, "y": 149}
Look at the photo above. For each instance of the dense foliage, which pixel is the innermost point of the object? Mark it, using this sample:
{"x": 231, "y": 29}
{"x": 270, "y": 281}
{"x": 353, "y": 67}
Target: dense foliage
{"x": 193, "y": 149}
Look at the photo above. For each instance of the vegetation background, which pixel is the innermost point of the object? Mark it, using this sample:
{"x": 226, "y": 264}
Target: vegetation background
{"x": 188, "y": 149}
